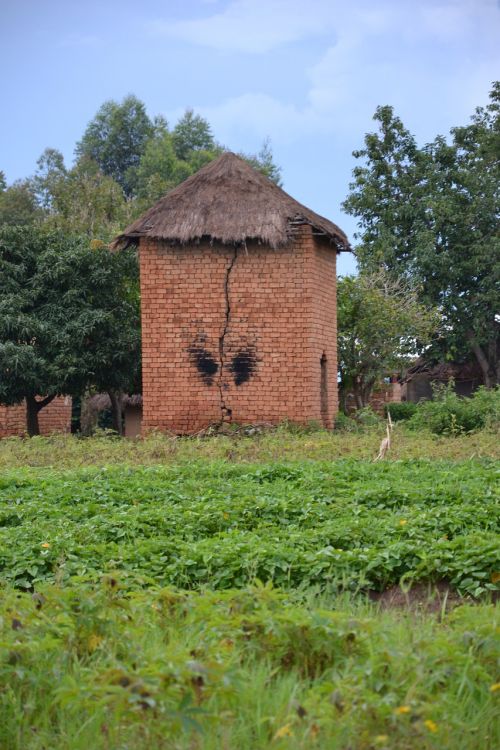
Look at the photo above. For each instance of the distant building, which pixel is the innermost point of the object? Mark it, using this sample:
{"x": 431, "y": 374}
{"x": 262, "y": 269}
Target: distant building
{"x": 238, "y": 295}
{"x": 55, "y": 417}
{"x": 99, "y": 406}
{"x": 419, "y": 379}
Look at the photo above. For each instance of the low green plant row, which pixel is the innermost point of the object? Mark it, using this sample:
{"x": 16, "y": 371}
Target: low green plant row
{"x": 107, "y": 667}
{"x": 337, "y": 525}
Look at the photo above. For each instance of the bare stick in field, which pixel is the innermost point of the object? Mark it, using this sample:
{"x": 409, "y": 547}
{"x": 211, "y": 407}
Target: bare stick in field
{"x": 385, "y": 445}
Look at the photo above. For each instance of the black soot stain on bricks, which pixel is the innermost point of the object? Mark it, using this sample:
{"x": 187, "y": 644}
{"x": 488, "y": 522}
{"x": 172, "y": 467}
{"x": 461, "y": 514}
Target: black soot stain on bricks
{"x": 204, "y": 362}
{"x": 243, "y": 365}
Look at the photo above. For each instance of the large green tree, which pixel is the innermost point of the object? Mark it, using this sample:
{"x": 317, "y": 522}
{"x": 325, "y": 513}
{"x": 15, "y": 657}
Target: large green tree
{"x": 172, "y": 156}
{"x": 381, "y": 326}
{"x": 116, "y": 139}
{"x": 192, "y": 133}
{"x": 68, "y": 318}
{"x": 81, "y": 200}
{"x": 160, "y": 168}
{"x": 18, "y": 203}
{"x": 431, "y": 215}
{"x": 143, "y": 156}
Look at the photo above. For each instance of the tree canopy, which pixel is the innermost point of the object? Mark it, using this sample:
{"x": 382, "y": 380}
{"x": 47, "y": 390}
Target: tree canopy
{"x": 125, "y": 161}
{"x": 80, "y": 200}
{"x": 116, "y": 139}
{"x": 18, "y": 203}
{"x": 192, "y": 133}
{"x": 431, "y": 215}
{"x": 381, "y": 327}
{"x": 69, "y": 317}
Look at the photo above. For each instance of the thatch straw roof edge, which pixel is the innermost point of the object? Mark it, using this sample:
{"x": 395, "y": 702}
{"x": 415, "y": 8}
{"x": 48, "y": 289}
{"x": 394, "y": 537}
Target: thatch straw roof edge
{"x": 229, "y": 202}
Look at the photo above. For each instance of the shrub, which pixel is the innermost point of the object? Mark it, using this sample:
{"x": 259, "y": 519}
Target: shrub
{"x": 366, "y": 417}
{"x": 487, "y": 403}
{"x": 449, "y": 414}
{"x": 402, "y": 411}
{"x": 344, "y": 423}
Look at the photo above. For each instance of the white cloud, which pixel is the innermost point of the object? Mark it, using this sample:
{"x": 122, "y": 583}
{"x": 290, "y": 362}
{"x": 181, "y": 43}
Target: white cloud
{"x": 432, "y": 60}
{"x": 261, "y": 115}
{"x": 253, "y": 26}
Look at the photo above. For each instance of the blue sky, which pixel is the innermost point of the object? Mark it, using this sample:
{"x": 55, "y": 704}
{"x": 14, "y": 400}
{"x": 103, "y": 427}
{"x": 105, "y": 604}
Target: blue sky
{"x": 307, "y": 74}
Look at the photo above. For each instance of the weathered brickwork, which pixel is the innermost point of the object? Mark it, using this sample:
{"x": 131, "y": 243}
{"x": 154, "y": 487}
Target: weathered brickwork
{"x": 387, "y": 393}
{"x": 55, "y": 417}
{"x": 238, "y": 333}
{"x": 12, "y": 420}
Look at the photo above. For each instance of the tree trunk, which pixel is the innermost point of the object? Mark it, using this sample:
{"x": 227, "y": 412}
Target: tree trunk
{"x": 358, "y": 402}
{"x": 489, "y": 369}
{"x": 358, "y": 392}
{"x": 33, "y": 407}
{"x": 494, "y": 359}
{"x": 342, "y": 398}
{"x": 32, "y": 416}
{"x": 362, "y": 392}
{"x": 88, "y": 416}
{"x": 116, "y": 399}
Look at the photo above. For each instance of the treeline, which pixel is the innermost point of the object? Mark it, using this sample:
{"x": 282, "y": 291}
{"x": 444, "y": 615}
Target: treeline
{"x": 428, "y": 249}
{"x": 124, "y": 162}
{"x": 69, "y": 309}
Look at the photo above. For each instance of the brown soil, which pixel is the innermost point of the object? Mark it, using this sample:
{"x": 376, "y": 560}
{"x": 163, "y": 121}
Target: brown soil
{"x": 421, "y": 597}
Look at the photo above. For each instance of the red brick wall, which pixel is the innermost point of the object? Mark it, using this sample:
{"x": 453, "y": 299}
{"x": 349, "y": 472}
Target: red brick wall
{"x": 385, "y": 394}
{"x": 323, "y": 292}
{"x": 55, "y": 417}
{"x": 389, "y": 393}
{"x": 281, "y": 320}
{"x": 12, "y": 420}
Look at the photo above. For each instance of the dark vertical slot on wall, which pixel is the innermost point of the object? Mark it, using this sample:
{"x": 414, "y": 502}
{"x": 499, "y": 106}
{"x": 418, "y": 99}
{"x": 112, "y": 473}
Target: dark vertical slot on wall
{"x": 324, "y": 391}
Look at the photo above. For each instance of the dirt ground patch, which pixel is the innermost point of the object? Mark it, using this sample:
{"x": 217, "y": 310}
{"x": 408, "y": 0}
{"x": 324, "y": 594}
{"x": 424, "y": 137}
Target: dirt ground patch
{"x": 421, "y": 597}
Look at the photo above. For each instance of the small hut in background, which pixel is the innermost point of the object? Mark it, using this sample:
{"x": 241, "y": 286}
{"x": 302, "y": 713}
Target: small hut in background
{"x": 419, "y": 379}
{"x": 97, "y": 410}
{"x": 238, "y": 296}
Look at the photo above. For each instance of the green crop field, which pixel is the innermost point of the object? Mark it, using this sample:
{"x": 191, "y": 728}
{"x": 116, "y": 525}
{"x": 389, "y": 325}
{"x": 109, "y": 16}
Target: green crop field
{"x": 212, "y": 594}
{"x": 347, "y": 524}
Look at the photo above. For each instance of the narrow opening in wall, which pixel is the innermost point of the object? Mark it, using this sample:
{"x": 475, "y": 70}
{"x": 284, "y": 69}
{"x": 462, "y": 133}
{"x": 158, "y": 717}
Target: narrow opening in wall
{"x": 324, "y": 390}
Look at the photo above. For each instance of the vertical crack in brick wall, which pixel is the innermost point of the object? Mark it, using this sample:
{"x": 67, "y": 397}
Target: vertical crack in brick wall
{"x": 225, "y": 411}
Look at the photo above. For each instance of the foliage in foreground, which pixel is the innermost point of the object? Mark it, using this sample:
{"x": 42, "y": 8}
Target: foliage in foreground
{"x": 338, "y": 525}
{"x": 105, "y": 668}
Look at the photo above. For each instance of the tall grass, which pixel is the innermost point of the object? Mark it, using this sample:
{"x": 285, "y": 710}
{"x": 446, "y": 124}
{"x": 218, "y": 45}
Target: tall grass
{"x": 240, "y": 670}
{"x": 272, "y": 445}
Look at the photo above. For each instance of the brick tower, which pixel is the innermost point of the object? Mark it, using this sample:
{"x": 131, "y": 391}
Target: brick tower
{"x": 238, "y": 303}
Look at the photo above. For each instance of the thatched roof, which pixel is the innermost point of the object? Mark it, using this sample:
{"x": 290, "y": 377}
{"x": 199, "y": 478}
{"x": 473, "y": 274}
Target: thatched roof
{"x": 101, "y": 401}
{"x": 228, "y": 201}
{"x": 444, "y": 371}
